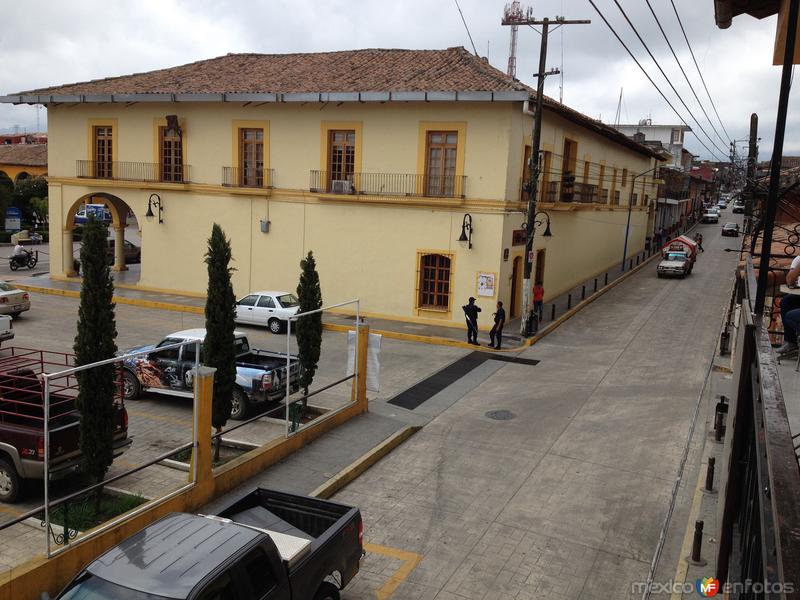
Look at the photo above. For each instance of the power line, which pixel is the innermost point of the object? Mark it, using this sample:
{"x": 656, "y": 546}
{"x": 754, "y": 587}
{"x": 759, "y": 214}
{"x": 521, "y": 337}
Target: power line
{"x": 463, "y": 20}
{"x": 680, "y": 66}
{"x": 646, "y": 74}
{"x": 658, "y": 66}
{"x": 698, "y": 70}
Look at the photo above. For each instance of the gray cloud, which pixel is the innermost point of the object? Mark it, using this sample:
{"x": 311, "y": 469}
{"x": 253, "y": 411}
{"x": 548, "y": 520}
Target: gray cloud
{"x": 47, "y": 43}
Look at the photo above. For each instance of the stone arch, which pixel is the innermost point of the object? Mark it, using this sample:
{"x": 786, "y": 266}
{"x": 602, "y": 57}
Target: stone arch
{"x": 119, "y": 210}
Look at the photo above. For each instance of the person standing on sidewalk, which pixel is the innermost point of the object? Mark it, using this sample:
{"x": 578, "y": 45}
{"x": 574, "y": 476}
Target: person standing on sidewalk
{"x": 497, "y": 328}
{"x": 471, "y": 311}
{"x": 790, "y": 311}
{"x": 538, "y": 300}
{"x": 698, "y": 237}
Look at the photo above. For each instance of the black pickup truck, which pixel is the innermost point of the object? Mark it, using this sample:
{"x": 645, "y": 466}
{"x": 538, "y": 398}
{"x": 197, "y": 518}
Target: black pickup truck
{"x": 266, "y": 546}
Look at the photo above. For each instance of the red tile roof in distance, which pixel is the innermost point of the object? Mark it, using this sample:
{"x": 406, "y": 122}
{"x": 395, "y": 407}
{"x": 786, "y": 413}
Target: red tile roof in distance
{"x": 26, "y": 155}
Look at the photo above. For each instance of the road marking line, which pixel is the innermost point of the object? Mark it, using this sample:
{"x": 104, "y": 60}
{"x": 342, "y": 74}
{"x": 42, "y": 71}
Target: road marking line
{"x": 410, "y": 562}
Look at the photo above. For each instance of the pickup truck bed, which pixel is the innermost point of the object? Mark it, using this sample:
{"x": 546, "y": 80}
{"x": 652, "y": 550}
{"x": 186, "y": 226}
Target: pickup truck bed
{"x": 267, "y": 545}
{"x": 320, "y": 529}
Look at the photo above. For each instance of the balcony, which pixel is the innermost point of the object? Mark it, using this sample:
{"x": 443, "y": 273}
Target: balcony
{"x": 557, "y": 191}
{"x": 389, "y": 184}
{"x": 132, "y": 171}
{"x": 258, "y": 178}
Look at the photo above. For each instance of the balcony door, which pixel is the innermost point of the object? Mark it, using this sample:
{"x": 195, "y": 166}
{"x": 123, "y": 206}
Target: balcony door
{"x": 171, "y": 163}
{"x": 251, "y": 157}
{"x": 341, "y": 160}
{"x": 440, "y": 163}
{"x": 103, "y": 157}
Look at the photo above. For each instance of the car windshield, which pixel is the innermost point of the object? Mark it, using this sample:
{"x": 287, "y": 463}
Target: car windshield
{"x": 6, "y": 287}
{"x": 94, "y": 588}
{"x": 288, "y": 300}
{"x": 676, "y": 256}
{"x": 731, "y": 226}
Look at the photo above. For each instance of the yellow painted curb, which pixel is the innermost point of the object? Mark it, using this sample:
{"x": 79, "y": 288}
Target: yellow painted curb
{"x": 117, "y": 299}
{"x": 359, "y": 466}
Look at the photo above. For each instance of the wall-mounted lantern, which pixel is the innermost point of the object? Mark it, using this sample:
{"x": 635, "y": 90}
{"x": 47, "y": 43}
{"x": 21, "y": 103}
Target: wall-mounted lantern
{"x": 154, "y": 200}
{"x": 466, "y": 231}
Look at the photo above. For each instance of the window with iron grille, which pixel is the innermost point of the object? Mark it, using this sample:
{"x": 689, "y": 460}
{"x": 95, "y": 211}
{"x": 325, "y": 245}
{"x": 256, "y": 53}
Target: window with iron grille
{"x": 251, "y": 157}
{"x": 634, "y": 199}
{"x": 341, "y": 155}
{"x": 624, "y": 177}
{"x": 103, "y": 158}
{"x": 434, "y": 281}
{"x": 616, "y": 197}
{"x": 440, "y": 163}
{"x": 171, "y": 159}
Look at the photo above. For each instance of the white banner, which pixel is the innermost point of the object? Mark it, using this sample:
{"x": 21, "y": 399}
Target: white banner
{"x": 373, "y": 359}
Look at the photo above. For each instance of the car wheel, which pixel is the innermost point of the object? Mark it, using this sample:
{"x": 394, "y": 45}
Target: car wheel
{"x": 327, "y": 591}
{"x": 131, "y": 388}
{"x": 10, "y": 482}
{"x": 240, "y": 405}
{"x": 275, "y": 326}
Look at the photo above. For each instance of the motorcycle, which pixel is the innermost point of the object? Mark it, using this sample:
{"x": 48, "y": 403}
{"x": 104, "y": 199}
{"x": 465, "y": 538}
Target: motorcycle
{"x": 29, "y": 259}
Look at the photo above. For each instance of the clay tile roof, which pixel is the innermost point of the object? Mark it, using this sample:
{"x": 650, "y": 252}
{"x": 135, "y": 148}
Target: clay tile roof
{"x": 370, "y": 70}
{"x": 28, "y": 155}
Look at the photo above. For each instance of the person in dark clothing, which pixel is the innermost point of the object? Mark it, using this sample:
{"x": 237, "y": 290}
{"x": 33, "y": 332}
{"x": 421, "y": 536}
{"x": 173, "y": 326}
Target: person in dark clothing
{"x": 497, "y": 328}
{"x": 471, "y": 311}
{"x": 699, "y": 239}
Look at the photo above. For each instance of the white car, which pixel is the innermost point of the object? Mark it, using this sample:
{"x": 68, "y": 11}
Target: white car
{"x": 269, "y": 308}
{"x": 13, "y": 300}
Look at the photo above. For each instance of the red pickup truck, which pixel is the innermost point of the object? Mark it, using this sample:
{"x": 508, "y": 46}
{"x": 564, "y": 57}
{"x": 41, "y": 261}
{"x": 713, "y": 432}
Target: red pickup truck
{"x": 22, "y": 419}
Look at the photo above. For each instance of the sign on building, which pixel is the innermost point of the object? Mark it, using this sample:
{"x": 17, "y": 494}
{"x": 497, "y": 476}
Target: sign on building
{"x": 13, "y": 219}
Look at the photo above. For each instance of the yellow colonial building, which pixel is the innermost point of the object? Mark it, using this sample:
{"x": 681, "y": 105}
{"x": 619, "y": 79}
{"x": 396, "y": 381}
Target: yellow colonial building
{"x": 370, "y": 158}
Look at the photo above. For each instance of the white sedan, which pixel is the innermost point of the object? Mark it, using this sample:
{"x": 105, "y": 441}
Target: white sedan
{"x": 272, "y": 309}
{"x": 13, "y": 300}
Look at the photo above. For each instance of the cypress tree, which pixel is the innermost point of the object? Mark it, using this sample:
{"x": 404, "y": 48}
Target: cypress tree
{"x": 95, "y": 341}
{"x": 309, "y": 328}
{"x": 219, "y": 347}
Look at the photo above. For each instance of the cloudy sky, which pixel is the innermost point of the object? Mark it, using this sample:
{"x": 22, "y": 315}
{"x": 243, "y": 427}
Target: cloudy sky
{"x": 45, "y": 43}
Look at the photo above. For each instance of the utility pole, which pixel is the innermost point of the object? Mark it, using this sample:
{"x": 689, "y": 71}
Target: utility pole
{"x": 517, "y": 19}
{"x": 752, "y": 158}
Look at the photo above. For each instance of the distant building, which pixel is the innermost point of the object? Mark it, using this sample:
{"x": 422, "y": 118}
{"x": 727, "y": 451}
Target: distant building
{"x": 23, "y": 138}
{"x": 23, "y": 160}
{"x": 670, "y": 136}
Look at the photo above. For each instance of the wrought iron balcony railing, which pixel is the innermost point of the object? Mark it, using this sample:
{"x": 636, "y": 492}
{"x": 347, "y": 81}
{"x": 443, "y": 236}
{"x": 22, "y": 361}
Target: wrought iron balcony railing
{"x": 389, "y": 184}
{"x": 132, "y": 171}
{"x": 245, "y": 177}
{"x": 559, "y": 191}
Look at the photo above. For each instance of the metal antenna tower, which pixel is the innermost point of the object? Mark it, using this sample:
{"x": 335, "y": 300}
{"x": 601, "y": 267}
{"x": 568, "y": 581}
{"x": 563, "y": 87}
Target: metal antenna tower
{"x": 512, "y": 15}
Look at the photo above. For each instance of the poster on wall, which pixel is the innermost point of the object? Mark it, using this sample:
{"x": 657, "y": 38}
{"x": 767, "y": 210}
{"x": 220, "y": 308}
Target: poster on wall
{"x": 13, "y": 218}
{"x": 486, "y": 284}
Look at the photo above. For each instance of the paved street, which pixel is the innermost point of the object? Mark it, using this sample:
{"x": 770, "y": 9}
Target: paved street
{"x": 567, "y": 498}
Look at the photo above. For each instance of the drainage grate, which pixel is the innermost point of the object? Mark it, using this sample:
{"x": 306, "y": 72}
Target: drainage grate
{"x": 501, "y": 415}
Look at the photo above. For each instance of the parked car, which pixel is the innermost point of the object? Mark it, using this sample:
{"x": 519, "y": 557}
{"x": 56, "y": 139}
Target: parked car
{"x": 22, "y": 423}
{"x": 13, "y": 301}
{"x": 132, "y": 252}
{"x": 710, "y": 217}
{"x": 730, "y": 229}
{"x": 722, "y": 204}
{"x": 98, "y": 210}
{"x": 6, "y": 328}
{"x": 272, "y": 309}
{"x": 674, "y": 264}
{"x": 260, "y": 374}
{"x": 267, "y": 546}
{"x": 738, "y": 207}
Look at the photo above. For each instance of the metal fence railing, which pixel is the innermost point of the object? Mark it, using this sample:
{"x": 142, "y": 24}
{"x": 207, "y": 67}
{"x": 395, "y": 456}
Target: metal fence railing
{"x": 257, "y": 177}
{"x": 132, "y": 171}
{"x": 759, "y": 537}
{"x": 388, "y": 184}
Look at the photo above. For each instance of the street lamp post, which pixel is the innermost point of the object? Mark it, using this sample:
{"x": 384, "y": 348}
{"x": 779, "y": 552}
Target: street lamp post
{"x": 630, "y": 208}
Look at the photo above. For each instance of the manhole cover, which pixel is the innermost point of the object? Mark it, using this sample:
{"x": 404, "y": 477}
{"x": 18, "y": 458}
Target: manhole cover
{"x": 500, "y": 415}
